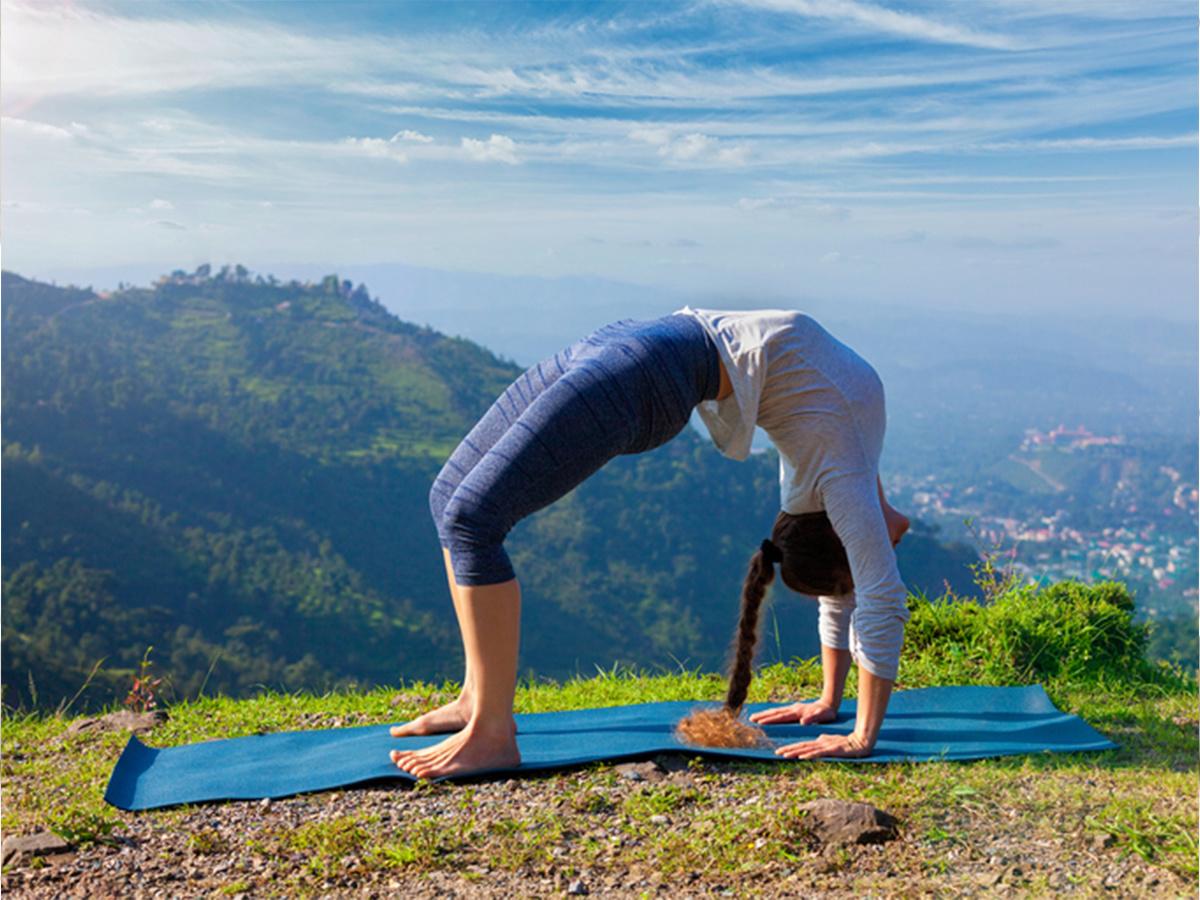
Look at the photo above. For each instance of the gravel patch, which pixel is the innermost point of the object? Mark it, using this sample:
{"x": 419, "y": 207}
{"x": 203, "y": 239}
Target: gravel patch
{"x": 599, "y": 831}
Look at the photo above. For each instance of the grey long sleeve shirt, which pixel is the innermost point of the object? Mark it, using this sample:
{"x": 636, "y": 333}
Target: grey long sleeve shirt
{"x": 822, "y": 405}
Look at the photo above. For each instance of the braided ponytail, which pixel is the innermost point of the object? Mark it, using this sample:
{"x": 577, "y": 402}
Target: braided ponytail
{"x": 721, "y": 727}
{"x": 758, "y": 578}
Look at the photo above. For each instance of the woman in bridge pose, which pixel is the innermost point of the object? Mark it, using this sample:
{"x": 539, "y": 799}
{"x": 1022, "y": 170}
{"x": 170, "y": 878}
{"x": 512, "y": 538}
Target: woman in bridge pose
{"x": 630, "y": 387}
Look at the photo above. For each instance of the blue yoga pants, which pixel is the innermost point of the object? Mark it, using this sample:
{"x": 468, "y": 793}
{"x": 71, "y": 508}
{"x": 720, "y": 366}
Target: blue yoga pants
{"x": 626, "y": 388}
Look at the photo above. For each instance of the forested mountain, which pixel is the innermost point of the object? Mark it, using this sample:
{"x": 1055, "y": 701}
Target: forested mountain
{"x": 235, "y": 471}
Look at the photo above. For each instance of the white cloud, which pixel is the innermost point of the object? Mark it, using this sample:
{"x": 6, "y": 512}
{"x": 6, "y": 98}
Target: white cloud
{"x": 159, "y": 203}
{"x": 650, "y": 135}
{"x": 497, "y": 148}
{"x": 693, "y": 147}
{"x": 690, "y": 146}
{"x": 733, "y": 156}
{"x": 414, "y": 137}
{"x": 377, "y": 147}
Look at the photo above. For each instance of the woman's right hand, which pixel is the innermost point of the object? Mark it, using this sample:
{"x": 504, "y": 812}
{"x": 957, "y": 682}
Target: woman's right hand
{"x": 815, "y": 713}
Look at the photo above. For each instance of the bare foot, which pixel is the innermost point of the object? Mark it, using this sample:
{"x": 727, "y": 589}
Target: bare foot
{"x": 473, "y": 749}
{"x": 453, "y": 716}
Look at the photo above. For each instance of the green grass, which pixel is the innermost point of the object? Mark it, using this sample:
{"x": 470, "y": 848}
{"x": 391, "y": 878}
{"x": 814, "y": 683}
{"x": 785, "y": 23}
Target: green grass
{"x": 727, "y": 820}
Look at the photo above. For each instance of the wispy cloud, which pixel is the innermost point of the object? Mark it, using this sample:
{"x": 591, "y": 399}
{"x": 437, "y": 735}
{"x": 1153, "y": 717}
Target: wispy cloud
{"x": 892, "y": 127}
{"x": 1137, "y": 142}
{"x": 880, "y": 18}
{"x": 36, "y": 129}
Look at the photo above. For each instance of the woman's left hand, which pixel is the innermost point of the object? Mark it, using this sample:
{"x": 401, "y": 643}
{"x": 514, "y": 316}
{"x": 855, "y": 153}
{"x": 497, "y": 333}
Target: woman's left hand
{"x": 836, "y": 745}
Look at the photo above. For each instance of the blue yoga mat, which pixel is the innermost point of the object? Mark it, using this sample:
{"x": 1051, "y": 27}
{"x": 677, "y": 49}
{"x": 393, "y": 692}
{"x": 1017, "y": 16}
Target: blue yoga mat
{"x": 926, "y": 724}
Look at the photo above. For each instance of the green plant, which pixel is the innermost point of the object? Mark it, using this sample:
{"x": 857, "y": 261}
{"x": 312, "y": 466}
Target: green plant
{"x": 142, "y": 695}
{"x": 993, "y": 578}
{"x": 82, "y": 827}
{"x": 207, "y": 841}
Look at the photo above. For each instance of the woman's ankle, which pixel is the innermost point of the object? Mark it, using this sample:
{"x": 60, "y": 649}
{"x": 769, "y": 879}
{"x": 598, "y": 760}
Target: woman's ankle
{"x": 501, "y": 726}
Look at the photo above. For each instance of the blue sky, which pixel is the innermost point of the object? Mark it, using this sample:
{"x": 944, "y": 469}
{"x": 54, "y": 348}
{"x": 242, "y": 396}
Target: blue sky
{"x": 978, "y": 156}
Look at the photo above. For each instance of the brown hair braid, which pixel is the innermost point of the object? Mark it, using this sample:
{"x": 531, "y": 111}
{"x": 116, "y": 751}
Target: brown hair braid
{"x": 722, "y": 727}
{"x": 758, "y": 578}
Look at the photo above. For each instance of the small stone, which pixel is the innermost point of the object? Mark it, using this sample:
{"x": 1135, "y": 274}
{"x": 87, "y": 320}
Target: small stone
{"x": 577, "y": 888}
{"x": 122, "y": 720}
{"x": 672, "y": 762}
{"x": 40, "y": 843}
{"x": 641, "y": 771}
{"x": 659, "y": 820}
{"x": 265, "y": 802}
{"x": 845, "y": 822}
{"x": 1103, "y": 841}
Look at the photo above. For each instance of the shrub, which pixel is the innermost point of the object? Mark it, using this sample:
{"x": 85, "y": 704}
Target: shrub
{"x": 1068, "y": 631}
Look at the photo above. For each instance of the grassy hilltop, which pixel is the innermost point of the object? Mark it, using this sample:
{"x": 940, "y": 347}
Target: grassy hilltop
{"x": 1118, "y": 822}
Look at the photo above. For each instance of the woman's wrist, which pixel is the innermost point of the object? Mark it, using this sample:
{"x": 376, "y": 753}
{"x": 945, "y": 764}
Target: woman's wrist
{"x": 873, "y": 695}
{"x": 862, "y": 740}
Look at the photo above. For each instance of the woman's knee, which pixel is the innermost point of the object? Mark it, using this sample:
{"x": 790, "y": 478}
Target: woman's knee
{"x": 469, "y": 520}
{"x": 475, "y": 534}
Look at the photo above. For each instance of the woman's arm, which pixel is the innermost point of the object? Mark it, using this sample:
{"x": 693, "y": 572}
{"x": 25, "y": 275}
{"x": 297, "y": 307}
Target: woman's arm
{"x": 853, "y": 504}
{"x": 835, "y": 665}
{"x": 856, "y": 514}
{"x": 833, "y": 625}
{"x": 873, "y": 696}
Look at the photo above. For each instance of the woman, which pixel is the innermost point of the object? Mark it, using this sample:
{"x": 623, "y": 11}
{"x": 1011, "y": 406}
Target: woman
{"x": 627, "y": 388}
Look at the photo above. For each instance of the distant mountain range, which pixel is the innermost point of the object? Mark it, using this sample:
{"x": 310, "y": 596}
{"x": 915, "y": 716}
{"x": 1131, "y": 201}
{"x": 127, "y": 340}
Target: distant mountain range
{"x": 962, "y": 385}
{"x": 234, "y": 470}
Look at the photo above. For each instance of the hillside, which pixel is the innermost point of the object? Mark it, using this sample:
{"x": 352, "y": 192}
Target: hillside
{"x": 1120, "y": 822}
{"x": 234, "y": 471}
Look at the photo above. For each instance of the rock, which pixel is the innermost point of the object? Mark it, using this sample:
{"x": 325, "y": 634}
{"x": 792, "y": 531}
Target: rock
{"x": 659, "y": 820}
{"x": 28, "y": 845}
{"x": 1103, "y": 841}
{"x": 844, "y": 822}
{"x": 672, "y": 762}
{"x": 641, "y": 771}
{"x": 122, "y": 720}
{"x": 577, "y": 887}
